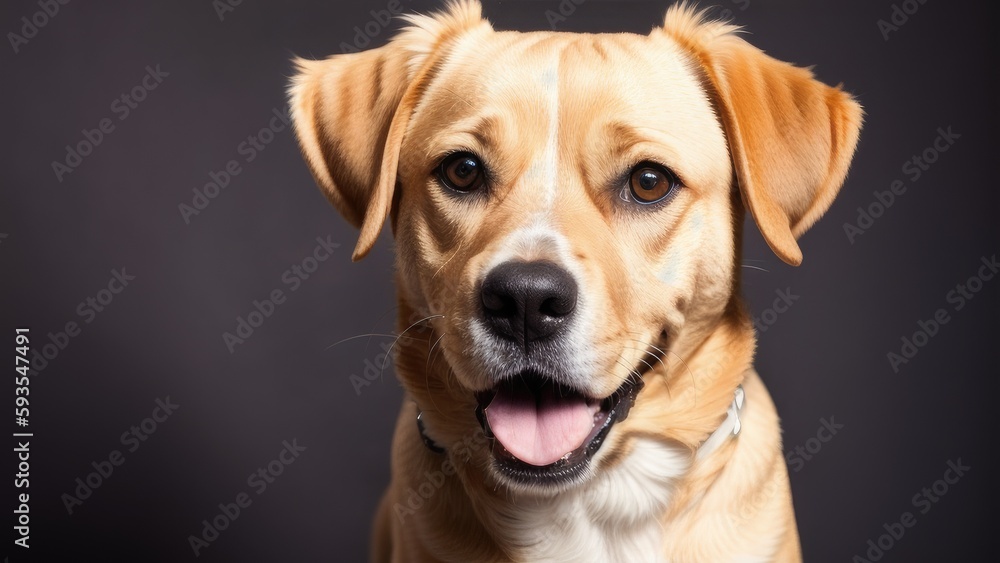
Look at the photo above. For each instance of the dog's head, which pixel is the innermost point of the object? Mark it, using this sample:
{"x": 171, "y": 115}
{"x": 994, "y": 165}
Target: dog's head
{"x": 567, "y": 210}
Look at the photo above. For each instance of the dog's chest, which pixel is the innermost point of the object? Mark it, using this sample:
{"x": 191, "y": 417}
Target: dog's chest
{"x": 616, "y": 518}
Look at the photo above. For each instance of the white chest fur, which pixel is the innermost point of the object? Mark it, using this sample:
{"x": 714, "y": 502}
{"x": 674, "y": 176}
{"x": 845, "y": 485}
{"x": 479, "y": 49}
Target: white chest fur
{"x": 616, "y": 518}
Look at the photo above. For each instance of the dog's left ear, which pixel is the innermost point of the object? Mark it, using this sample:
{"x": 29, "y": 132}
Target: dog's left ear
{"x": 351, "y": 111}
{"x": 791, "y": 136}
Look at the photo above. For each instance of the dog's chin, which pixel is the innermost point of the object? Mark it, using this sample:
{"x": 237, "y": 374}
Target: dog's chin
{"x": 544, "y": 436}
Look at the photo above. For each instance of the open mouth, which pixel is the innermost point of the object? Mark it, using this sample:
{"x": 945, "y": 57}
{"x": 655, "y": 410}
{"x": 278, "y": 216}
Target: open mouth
{"x": 544, "y": 432}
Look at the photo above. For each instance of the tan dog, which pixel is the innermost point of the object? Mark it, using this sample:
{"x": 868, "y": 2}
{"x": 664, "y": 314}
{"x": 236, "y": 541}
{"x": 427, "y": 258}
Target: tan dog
{"x": 567, "y": 211}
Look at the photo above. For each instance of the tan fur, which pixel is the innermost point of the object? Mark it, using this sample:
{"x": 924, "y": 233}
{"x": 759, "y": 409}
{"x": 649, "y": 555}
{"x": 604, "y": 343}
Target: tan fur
{"x": 775, "y": 114}
{"x": 558, "y": 118}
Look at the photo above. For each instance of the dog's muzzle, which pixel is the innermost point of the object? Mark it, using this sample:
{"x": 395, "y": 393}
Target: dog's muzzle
{"x": 544, "y": 427}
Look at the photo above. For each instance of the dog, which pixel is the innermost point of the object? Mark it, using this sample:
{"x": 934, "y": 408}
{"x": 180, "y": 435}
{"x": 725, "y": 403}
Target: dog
{"x": 567, "y": 211}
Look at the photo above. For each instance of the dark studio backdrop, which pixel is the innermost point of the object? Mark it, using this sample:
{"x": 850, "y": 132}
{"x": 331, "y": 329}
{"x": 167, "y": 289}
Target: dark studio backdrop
{"x": 137, "y": 394}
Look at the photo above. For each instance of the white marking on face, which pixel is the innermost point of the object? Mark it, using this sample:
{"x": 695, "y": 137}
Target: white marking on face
{"x": 576, "y": 358}
{"x": 550, "y": 156}
{"x": 538, "y": 240}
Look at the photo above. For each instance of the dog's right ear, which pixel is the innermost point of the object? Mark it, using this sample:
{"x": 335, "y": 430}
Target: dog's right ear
{"x": 350, "y": 113}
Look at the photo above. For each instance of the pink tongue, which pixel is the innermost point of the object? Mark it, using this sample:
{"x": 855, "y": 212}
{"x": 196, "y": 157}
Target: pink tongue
{"x": 539, "y": 427}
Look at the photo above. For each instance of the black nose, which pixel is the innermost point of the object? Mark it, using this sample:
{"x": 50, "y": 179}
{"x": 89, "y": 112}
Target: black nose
{"x": 528, "y": 301}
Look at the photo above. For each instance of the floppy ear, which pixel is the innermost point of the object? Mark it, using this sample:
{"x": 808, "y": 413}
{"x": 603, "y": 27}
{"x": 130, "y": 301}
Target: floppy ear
{"x": 351, "y": 111}
{"x": 343, "y": 108}
{"x": 791, "y": 136}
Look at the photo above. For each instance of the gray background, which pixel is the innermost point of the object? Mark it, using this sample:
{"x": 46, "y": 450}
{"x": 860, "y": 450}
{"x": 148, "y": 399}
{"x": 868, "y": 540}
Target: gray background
{"x": 825, "y": 357}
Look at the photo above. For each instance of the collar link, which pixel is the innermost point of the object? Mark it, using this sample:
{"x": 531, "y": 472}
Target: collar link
{"x": 730, "y": 427}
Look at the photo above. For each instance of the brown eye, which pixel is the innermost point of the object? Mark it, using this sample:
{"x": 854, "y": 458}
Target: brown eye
{"x": 651, "y": 183}
{"x": 462, "y": 172}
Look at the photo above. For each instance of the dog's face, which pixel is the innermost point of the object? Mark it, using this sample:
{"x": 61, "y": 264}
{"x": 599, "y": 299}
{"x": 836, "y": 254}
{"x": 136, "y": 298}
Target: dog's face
{"x": 565, "y": 207}
{"x": 567, "y": 216}
{"x": 560, "y": 194}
